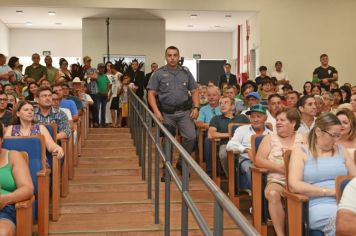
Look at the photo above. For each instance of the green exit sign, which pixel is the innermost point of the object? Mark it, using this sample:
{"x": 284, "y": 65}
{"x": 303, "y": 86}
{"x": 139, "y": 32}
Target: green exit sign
{"x": 197, "y": 56}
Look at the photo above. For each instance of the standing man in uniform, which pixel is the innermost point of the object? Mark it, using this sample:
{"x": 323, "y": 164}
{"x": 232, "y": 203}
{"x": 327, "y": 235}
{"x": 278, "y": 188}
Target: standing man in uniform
{"x": 175, "y": 107}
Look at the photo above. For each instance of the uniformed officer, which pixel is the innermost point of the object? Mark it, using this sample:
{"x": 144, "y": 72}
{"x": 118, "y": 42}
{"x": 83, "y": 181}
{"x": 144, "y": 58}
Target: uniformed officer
{"x": 178, "y": 99}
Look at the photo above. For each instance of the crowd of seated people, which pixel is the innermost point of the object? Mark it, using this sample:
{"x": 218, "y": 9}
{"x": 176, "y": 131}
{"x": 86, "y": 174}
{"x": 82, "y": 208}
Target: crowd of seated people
{"x": 318, "y": 124}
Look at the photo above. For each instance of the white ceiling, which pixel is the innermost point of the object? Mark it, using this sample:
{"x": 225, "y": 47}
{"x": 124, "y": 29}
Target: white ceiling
{"x": 71, "y": 18}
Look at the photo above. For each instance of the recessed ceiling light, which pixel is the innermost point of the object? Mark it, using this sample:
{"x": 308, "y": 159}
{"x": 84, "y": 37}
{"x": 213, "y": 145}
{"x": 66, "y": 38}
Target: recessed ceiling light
{"x": 52, "y": 13}
{"x": 228, "y": 16}
{"x": 19, "y": 11}
{"x": 193, "y": 16}
{"x": 58, "y": 23}
{"x": 28, "y": 23}
{"x": 190, "y": 26}
{"x": 217, "y": 26}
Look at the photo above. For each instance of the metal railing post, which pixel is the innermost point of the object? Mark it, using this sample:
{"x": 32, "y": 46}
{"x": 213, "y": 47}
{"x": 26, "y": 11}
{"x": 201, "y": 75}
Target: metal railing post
{"x": 218, "y": 219}
{"x": 167, "y": 200}
{"x": 143, "y": 146}
{"x": 149, "y": 157}
{"x": 157, "y": 181}
{"x": 185, "y": 188}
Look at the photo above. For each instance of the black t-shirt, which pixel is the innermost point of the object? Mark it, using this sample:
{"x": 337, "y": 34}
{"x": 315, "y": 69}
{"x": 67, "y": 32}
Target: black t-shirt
{"x": 260, "y": 79}
{"x": 221, "y": 123}
{"x": 6, "y": 118}
{"x": 325, "y": 72}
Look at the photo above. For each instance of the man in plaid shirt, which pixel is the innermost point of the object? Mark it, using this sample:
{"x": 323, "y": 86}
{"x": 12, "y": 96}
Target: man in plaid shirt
{"x": 46, "y": 114}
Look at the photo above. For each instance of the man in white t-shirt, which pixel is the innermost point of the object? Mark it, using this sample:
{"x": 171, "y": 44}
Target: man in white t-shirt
{"x": 281, "y": 76}
{"x": 115, "y": 88}
{"x": 346, "y": 214}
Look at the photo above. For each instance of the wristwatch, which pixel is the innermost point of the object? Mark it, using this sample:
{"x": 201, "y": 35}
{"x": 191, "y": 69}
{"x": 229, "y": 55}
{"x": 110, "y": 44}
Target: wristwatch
{"x": 196, "y": 107}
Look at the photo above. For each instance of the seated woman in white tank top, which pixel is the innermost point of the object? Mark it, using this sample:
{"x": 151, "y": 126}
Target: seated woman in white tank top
{"x": 348, "y": 130}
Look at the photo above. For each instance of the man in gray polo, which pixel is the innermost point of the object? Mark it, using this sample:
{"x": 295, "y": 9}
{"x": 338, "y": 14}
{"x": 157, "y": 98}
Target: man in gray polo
{"x": 178, "y": 99}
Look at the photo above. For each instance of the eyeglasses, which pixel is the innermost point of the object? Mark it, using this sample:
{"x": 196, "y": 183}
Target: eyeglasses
{"x": 3, "y": 99}
{"x": 334, "y": 136}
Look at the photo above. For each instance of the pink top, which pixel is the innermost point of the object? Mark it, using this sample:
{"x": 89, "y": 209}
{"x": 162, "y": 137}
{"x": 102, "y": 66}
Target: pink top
{"x": 276, "y": 155}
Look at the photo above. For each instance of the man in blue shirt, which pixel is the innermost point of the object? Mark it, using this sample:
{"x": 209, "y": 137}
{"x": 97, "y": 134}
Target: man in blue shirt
{"x": 206, "y": 113}
{"x": 66, "y": 103}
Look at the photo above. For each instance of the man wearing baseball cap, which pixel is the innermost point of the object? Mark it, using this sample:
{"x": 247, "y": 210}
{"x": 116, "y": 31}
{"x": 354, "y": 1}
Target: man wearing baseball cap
{"x": 240, "y": 143}
{"x": 252, "y": 98}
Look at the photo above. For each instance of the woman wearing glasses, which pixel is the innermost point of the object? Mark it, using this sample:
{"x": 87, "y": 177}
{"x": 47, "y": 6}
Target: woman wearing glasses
{"x": 313, "y": 169}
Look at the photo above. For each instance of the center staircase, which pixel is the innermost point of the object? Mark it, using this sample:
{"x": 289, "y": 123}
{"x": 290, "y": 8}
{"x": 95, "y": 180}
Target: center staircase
{"x": 108, "y": 197}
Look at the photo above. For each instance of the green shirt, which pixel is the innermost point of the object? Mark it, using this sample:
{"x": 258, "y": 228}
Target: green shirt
{"x": 103, "y": 83}
{"x": 7, "y": 181}
{"x": 36, "y": 73}
{"x": 51, "y": 74}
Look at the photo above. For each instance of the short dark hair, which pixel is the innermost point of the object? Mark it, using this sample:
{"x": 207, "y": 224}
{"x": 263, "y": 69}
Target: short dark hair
{"x": 295, "y": 92}
{"x": 171, "y": 48}
{"x": 323, "y": 55}
{"x": 41, "y": 89}
{"x": 278, "y": 63}
{"x": 302, "y": 100}
{"x": 3, "y": 93}
{"x": 227, "y": 64}
{"x": 274, "y": 95}
{"x": 12, "y": 62}
{"x": 7, "y": 85}
{"x": 267, "y": 81}
{"x": 262, "y": 68}
{"x": 65, "y": 85}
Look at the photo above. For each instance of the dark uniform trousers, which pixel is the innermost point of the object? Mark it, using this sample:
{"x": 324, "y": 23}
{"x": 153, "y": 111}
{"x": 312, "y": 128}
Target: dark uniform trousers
{"x": 185, "y": 124}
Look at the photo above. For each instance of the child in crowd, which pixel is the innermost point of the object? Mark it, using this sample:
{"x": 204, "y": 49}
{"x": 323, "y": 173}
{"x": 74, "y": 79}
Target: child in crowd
{"x": 266, "y": 89}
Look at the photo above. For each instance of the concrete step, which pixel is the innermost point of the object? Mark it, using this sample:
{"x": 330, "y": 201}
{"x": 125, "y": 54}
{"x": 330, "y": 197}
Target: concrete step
{"x": 133, "y": 221}
{"x": 109, "y": 143}
{"x": 105, "y": 179}
{"x": 106, "y": 172}
{"x": 111, "y": 136}
{"x": 107, "y": 208}
{"x": 128, "y": 197}
{"x": 139, "y": 186}
{"x": 108, "y": 151}
{"x": 174, "y": 232}
{"x": 108, "y": 130}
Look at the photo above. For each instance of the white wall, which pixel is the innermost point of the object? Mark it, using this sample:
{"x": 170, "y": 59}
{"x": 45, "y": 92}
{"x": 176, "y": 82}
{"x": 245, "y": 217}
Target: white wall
{"x": 209, "y": 45}
{"x": 4, "y": 39}
{"x": 61, "y": 43}
{"x": 130, "y": 37}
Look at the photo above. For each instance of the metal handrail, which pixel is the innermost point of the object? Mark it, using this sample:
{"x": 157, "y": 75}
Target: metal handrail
{"x": 140, "y": 124}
